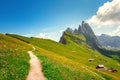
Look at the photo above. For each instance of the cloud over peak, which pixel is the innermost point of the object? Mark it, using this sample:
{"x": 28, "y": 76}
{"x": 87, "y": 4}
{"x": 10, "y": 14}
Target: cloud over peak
{"x": 107, "y": 15}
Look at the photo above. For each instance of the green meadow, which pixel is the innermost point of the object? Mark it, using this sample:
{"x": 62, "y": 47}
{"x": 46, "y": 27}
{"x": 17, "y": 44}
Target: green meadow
{"x": 14, "y": 60}
{"x": 60, "y": 61}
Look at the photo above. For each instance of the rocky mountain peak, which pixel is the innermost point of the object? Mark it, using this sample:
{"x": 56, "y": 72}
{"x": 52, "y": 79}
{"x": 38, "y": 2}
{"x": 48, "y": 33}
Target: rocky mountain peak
{"x": 83, "y": 22}
{"x": 75, "y": 31}
{"x": 86, "y": 30}
{"x": 69, "y": 30}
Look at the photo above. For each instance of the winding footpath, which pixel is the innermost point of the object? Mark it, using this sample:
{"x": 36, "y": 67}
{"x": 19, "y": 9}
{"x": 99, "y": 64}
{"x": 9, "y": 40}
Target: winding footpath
{"x": 35, "y": 72}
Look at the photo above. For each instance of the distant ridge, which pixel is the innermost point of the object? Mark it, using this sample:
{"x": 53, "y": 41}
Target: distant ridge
{"x": 109, "y": 41}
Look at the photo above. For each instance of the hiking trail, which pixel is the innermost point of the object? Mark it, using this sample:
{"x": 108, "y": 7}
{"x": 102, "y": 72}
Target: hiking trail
{"x": 35, "y": 72}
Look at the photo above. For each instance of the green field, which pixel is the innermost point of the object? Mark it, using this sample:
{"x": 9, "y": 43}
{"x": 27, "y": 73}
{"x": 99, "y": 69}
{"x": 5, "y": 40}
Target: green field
{"x": 60, "y": 62}
{"x": 13, "y": 58}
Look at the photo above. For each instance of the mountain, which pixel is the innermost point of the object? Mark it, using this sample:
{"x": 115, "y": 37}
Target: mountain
{"x": 85, "y": 30}
{"x": 109, "y": 41}
{"x": 90, "y": 38}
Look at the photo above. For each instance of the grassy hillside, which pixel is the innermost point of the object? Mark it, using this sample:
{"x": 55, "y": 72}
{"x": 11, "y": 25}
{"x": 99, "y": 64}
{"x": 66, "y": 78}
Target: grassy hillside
{"x": 70, "y": 61}
{"x": 13, "y": 58}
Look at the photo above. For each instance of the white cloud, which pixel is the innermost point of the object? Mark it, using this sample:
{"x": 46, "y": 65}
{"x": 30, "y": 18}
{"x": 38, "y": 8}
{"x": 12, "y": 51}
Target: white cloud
{"x": 107, "y": 15}
{"x": 51, "y": 35}
{"x": 116, "y": 32}
{"x": 61, "y": 31}
{"x": 28, "y": 35}
{"x": 41, "y": 35}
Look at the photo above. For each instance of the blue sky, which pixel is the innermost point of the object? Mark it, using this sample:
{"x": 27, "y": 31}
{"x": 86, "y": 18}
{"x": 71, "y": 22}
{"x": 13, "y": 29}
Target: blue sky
{"x": 47, "y": 17}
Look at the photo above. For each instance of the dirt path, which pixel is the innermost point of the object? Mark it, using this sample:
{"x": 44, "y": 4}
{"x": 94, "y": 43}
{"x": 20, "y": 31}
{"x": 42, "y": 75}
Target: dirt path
{"x": 35, "y": 72}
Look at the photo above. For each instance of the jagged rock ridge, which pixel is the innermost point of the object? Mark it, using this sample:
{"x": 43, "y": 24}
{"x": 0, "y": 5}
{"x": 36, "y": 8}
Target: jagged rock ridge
{"x": 85, "y": 30}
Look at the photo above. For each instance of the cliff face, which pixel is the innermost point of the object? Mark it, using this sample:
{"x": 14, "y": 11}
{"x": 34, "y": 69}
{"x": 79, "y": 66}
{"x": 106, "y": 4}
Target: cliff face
{"x": 63, "y": 40}
{"x": 85, "y": 30}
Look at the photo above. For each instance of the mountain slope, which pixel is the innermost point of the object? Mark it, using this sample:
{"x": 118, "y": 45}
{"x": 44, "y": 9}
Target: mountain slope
{"x": 13, "y": 58}
{"x": 70, "y": 61}
{"x": 85, "y": 30}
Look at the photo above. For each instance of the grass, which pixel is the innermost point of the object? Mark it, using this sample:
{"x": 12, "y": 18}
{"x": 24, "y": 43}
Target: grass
{"x": 13, "y": 58}
{"x": 63, "y": 68}
{"x": 70, "y": 62}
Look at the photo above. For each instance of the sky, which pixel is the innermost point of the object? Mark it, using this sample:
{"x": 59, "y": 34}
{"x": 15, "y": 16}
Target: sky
{"x": 49, "y": 18}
